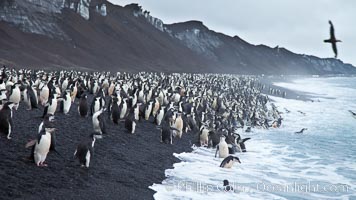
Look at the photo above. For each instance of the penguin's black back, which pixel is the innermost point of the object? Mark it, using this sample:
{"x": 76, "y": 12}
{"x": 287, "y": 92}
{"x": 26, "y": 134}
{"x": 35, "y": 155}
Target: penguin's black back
{"x": 83, "y": 106}
{"x": 128, "y": 122}
{"x": 82, "y": 150}
{"x": 115, "y": 112}
{"x": 32, "y": 97}
{"x": 5, "y": 119}
{"x": 226, "y": 160}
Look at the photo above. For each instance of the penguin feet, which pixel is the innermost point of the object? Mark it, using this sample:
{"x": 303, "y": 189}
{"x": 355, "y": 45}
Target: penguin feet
{"x": 42, "y": 165}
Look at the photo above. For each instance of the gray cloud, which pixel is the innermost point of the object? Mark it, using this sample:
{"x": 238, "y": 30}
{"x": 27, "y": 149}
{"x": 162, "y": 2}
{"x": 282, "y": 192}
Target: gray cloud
{"x": 298, "y": 25}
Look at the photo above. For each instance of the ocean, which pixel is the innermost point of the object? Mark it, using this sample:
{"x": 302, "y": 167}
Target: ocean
{"x": 279, "y": 164}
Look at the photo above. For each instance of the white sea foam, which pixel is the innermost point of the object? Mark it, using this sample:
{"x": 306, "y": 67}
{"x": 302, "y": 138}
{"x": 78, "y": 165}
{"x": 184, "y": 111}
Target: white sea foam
{"x": 279, "y": 164}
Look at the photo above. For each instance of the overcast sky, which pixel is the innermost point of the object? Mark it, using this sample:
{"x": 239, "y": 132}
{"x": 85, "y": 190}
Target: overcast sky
{"x": 298, "y": 25}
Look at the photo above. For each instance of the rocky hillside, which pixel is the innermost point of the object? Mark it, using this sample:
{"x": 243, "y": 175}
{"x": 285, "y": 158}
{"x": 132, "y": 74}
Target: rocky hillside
{"x": 96, "y": 35}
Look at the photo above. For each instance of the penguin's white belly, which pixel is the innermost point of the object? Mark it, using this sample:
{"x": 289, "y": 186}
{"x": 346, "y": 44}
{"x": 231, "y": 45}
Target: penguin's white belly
{"x": 64, "y": 85}
{"x": 179, "y": 124}
{"x": 204, "y": 137}
{"x": 42, "y": 149}
{"x": 136, "y": 112}
{"x": 223, "y": 150}
{"x": 229, "y": 164}
{"x": 123, "y": 112}
{"x": 15, "y": 96}
{"x": 35, "y": 93}
{"x": 147, "y": 113}
{"x": 44, "y": 96}
{"x": 96, "y": 107}
{"x": 111, "y": 90}
{"x": 96, "y": 125}
{"x": 155, "y": 109}
{"x": 66, "y": 105}
{"x": 159, "y": 118}
{"x": 176, "y": 98}
{"x": 52, "y": 108}
{"x": 25, "y": 97}
{"x": 95, "y": 89}
{"x": 134, "y": 101}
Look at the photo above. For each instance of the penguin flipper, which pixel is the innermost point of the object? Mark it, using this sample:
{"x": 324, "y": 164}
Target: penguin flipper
{"x": 244, "y": 140}
{"x": 45, "y": 110}
{"x": 30, "y": 143}
{"x": 75, "y": 154}
{"x": 217, "y": 149}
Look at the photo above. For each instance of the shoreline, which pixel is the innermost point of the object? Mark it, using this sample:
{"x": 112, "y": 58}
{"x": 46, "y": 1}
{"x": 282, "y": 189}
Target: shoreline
{"x": 291, "y": 94}
{"x": 123, "y": 165}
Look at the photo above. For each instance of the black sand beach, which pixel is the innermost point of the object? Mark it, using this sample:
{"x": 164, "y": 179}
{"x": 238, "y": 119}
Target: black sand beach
{"x": 123, "y": 166}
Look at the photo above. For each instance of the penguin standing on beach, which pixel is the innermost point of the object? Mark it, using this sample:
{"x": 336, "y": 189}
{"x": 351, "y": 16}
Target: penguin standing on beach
{"x": 98, "y": 122}
{"x": 123, "y": 108}
{"x": 83, "y": 106}
{"x": 6, "y": 119}
{"x": 115, "y": 112}
{"x": 74, "y": 91}
{"x": 159, "y": 116}
{"x": 222, "y": 148}
{"x": 204, "y": 136}
{"x": 155, "y": 108}
{"x": 167, "y": 132}
{"x": 137, "y": 111}
{"x": 130, "y": 123}
{"x": 213, "y": 139}
{"x": 178, "y": 123}
{"x": 148, "y": 110}
{"x": 96, "y": 105}
{"x": 42, "y": 146}
{"x": 44, "y": 94}
{"x": 51, "y": 105}
{"x": 30, "y": 97}
{"x": 85, "y": 150}
{"x": 15, "y": 95}
{"x": 66, "y": 102}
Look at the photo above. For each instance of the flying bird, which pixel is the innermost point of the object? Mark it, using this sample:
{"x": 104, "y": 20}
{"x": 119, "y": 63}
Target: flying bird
{"x": 332, "y": 39}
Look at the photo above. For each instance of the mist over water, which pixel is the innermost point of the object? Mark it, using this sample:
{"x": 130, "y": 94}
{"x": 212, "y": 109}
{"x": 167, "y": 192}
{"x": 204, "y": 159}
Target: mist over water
{"x": 279, "y": 164}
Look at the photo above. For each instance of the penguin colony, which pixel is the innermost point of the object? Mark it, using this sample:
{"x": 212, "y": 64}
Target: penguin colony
{"x": 213, "y": 107}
